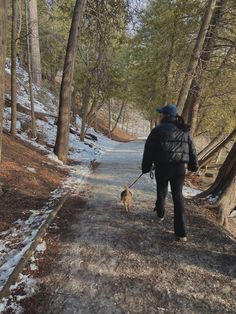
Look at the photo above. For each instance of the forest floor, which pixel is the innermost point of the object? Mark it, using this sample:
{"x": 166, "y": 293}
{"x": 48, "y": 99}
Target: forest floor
{"x": 100, "y": 259}
{"x": 28, "y": 177}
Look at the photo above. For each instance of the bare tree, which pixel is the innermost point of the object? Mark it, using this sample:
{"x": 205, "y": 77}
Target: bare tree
{"x": 85, "y": 109}
{"x": 109, "y": 117}
{"x": 62, "y": 139}
{"x": 192, "y": 104}
{"x": 36, "y": 67}
{"x": 3, "y": 15}
{"x": 196, "y": 54}
{"x": 13, "y": 65}
{"x": 169, "y": 61}
{"x": 119, "y": 116}
{"x": 33, "y": 124}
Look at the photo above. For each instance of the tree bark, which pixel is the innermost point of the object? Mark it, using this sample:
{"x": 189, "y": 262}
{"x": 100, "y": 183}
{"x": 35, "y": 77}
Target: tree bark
{"x": 225, "y": 187}
{"x": 85, "y": 111}
{"x": 196, "y": 54}
{"x": 169, "y": 63}
{"x": 62, "y": 139}
{"x": 206, "y": 150}
{"x": 33, "y": 124}
{"x": 192, "y": 104}
{"x": 205, "y": 159}
{"x": 109, "y": 118}
{"x": 13, "y": 66}
{"x": 36, "y": 67}
{"x": 3, "y": 6}
{"x": 123, "y": 118}
{"x": 119, "y": 116}
{"x": 20, "y": 16}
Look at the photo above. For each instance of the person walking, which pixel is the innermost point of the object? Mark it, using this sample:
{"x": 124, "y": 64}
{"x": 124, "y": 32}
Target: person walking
{"x": 169, "y": 147}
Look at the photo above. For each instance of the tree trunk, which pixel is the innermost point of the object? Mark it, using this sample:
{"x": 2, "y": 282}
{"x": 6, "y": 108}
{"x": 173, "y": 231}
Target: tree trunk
{"x": 3, "y": 7}
{"x": 109, "y": 118}
{"x": 225, "y": 187}
{"x": 36, "y": 67}
{"x": 219, "y": 156}
{"x": 119, "y": 116}
{"x": 92, "y": 114}
{"x": 196, "y": 54}
{"x": 205, "y": 159}
{"x": 85, "y": 111}
{"x": 20, "y": 16}
{"x": 152, "y": 123}
{"x": 13, "y": 66}
{"x": 169, "y": 63}
{"x": 123, "y": 118}
{"x": 206, "y": 150}
{"x": 33, "y": 125}
{"x": 62, "y": 139}
{"x": 192, "y": 104}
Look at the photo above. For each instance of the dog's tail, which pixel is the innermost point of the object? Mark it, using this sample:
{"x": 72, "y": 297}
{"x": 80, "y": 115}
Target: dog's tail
{"x": 125, "y": 192}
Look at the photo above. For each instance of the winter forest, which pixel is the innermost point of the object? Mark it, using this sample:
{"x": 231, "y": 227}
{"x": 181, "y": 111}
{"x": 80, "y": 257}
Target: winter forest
{"x": 84, "y": 85}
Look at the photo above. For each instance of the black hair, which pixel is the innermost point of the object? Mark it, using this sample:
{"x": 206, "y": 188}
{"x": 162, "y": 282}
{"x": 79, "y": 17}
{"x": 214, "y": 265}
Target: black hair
{"x": 180, "y": 123}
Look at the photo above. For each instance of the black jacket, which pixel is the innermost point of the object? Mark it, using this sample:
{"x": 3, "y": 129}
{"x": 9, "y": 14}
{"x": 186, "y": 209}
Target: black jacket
{"x": 169, "y": 143}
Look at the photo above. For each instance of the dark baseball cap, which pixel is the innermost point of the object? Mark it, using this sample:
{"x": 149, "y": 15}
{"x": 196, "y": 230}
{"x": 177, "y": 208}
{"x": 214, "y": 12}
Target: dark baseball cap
{"x": 170, "y": 110}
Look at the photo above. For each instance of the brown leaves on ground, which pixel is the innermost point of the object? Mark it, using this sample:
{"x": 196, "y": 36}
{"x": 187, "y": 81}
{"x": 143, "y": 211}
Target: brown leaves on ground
{"x": 28, "y": 177}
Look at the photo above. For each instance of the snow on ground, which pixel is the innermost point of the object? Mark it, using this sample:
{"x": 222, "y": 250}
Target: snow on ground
{"x": 17, "y": 240}
{"x": 25, "y": 287}
{"x": 31, "y": 170}
{"x": 46, "y": 130}
{"x": 190, "y": 192}
{"x": 212, "y": 199}
{"x": 187, "y": 191}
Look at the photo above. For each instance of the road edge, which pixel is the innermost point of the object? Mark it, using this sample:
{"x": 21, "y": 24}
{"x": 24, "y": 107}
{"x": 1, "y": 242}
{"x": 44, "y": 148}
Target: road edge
{"x": 37, "y": 239}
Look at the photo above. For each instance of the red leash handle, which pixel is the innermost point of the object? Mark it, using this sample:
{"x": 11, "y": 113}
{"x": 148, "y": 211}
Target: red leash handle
{"x": 130, "y": 186}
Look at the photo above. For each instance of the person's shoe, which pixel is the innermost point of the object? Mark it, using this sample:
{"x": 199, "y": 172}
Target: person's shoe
{"x": 181, "y": 239}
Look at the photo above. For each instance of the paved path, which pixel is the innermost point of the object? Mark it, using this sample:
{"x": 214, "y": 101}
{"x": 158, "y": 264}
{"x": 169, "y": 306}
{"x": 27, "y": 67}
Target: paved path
{"x": 119, "y": 263}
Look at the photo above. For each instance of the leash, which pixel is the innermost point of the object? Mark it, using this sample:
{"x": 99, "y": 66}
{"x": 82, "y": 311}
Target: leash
{"x": 130, "y": 186}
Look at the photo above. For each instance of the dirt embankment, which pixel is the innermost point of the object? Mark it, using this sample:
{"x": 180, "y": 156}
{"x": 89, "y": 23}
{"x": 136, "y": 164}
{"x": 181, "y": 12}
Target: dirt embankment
{"x": 27, "y": 177}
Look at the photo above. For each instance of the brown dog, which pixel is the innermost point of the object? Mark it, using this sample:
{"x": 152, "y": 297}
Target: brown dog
{"x": 126, "y": 198}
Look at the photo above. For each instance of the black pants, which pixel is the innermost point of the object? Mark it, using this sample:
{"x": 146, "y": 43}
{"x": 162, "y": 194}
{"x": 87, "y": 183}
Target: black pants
{"x": 175, "y": 174}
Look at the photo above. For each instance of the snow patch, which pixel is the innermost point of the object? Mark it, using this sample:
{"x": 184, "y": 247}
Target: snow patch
{"x": 187, "y": 191}
{"x": 190, "y": 192}
{"x": 55, "y": 158}
{"x": 33, "y": 170}
{"x": 33, "y": 267}
{"x": 41, "y": 247}
{"x": 212, "y": 199}
{"x": 3, "y": 305}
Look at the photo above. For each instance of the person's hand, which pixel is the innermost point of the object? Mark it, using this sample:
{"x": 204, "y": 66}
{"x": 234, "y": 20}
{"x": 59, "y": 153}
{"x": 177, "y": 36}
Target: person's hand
{"x": 145, "y": 171}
